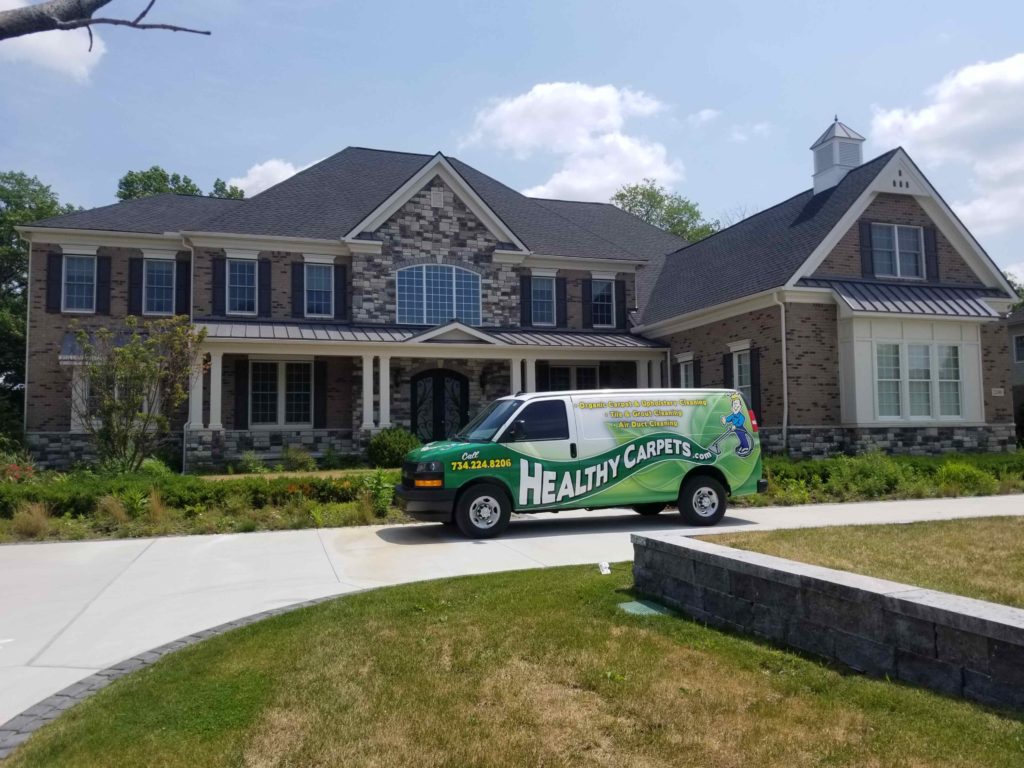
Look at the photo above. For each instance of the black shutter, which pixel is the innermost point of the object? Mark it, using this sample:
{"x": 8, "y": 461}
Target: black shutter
{"x": 755, "y": 382}
{"x": 182, "y": 287}
{"x": 319, "y": 394}
{"x": 560, "y": 299}
{"x": 727, "y": 370}
{"x": 263, "y": 301}
{"x": 241, "y": 393}
{"x": 676, "y": 374}
{"x": 867, "y": 259}
{"x": 135, "y": 267}
{"x": 525, "y": 301}
{"x": 102, "y": 285}
{"x": 219, "y": 285}
{"x": 340, "y": 292}
{"x": 931, "y": 255}
{"x": 620, "y": 303}
{"x": 696, "y": 372}
{"x": 588, "y": 304}
{"x": 54, "y": 275}
{"x": 298, "y": 288}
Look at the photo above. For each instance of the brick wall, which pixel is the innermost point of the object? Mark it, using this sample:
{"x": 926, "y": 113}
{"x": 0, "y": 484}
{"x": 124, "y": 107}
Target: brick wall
{"x": 813, "y": 364}
{"x": 710, "y": 342}
{"x": 844, "y": 260}
{"x": 995, "y": 372}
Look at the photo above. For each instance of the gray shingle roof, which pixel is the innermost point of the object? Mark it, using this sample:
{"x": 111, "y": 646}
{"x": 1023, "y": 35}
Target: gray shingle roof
{"x": 909, "y": 298}
{"x": 757, "y": 254}
{"x": 155, "y": 214}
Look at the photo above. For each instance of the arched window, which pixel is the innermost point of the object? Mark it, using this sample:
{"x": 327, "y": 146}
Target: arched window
{"x": 432, "y": 294}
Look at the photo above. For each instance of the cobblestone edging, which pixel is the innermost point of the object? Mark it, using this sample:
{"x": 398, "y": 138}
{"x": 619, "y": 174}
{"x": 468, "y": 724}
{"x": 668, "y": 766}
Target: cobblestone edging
{"x": 18, "y": 729}
{"x": 951, "y": 644}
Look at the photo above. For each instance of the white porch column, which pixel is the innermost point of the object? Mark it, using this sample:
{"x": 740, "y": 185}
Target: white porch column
{"x": 195, "y": 397}
{"x": 385, "y": 391}
{"x": 531, "y": 375}
{"x": 216, "y": 386}
{"x": 516, "y": 377}
{"x": 657, "y": 380}
{"x": 367, "y": 391}
{"x": 641, "y": 374}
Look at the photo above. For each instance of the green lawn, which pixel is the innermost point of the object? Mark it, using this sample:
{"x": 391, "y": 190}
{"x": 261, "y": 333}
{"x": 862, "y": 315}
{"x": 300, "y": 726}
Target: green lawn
{"x": 981, "y": 557}
{"x": 536, "y": 668}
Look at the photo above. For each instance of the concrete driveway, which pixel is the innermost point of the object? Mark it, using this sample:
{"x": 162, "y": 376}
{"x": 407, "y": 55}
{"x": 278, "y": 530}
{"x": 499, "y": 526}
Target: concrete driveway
{"x": 70, "y": 609}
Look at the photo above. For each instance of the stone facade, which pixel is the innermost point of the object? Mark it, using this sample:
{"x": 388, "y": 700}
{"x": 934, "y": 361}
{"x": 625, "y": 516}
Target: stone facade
{"x": 212, "y": 450}
{"x": 820, "y": 442}
{"x": 844, "y": 260}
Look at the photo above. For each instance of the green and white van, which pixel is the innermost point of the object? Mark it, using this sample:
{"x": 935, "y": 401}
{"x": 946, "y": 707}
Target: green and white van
{"x": 552, "y": 451}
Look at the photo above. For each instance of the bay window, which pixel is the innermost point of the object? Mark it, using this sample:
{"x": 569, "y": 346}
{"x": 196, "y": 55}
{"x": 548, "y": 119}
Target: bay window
{"x": 241, "y": 286}
{"x": 280, "y": 393}
{"x": 918, "y": 380}
{"x": 432, "y": 294}
{"x": 897, "y": 251}
{"x": 158, "y": 286}
{"x": 79, "y": 284}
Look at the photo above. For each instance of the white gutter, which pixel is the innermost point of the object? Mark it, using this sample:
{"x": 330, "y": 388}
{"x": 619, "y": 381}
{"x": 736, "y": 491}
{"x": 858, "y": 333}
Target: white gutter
{"x": 785, "y": 374}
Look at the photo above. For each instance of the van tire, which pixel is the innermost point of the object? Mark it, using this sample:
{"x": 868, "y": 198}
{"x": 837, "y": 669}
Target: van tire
{"x": 702, "y": 500}
{"x": 649, "y": 510}
{"x": 483, "y": 511}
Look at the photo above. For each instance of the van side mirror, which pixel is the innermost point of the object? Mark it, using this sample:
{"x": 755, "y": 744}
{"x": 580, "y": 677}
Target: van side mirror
{"x": 514, "y": 431}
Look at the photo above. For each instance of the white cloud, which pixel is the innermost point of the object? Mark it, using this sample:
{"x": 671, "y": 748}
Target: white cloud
{"x": 585, "y": 125}
{"x": 265, "y": 175}
{"x": 972, "y": 118}
{"x": 1016, "y": 270}
{"x": 702, "y": 116}
{"x": 65, "y": 52}
{"x": 744, "y": 133}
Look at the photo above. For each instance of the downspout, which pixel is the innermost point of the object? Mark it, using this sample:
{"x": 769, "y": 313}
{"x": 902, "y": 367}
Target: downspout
{"x": 28, "y": 319}
{"x": 191, "y": 294}
{"x": 785, "y": 373}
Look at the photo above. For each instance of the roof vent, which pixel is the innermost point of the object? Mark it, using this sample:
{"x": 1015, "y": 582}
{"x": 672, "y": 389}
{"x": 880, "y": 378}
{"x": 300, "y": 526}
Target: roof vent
{"x": 437, "y": 197}
{"x": 836, "y": 152}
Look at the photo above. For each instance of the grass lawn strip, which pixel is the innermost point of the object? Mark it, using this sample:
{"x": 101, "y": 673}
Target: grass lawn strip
{"x": 981, "y": 558}
{"x": 528, "y": 668}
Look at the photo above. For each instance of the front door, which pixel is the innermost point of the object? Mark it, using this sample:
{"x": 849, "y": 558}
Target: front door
{"x": 440, "y": 404}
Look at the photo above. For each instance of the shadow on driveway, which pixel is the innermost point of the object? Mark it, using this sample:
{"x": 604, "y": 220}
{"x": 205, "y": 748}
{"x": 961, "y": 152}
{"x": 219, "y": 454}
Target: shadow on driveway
{"x": 533, "y": 527}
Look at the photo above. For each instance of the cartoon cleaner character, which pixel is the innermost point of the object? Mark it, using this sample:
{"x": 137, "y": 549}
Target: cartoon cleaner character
{"x": 736, "y": 423}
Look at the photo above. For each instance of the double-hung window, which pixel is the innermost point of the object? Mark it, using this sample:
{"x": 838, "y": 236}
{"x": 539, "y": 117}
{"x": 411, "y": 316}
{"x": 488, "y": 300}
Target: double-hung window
{"x": 543, "y": 298}
{"x": 918, "y": 380}
{"x": 602, "y": 303}
{"x": 432, "y": 294}
{"x": 319, "y": 290}
{"x": 741, "y": 377}
{"x": 158, "y": 286}
{"x": 1018, "y": 349}
{"x": 562, "y": 377}
{"x": 280, "y": 393}
{"x": 687, "y": 379}
{"x": 79, "y": 283}
{"x": 241, "y": 286}
{"x": 897, "y": 251}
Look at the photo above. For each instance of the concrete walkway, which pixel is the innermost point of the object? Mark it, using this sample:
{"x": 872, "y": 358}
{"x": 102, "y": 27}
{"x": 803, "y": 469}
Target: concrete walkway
{"x": 70, "y": 609}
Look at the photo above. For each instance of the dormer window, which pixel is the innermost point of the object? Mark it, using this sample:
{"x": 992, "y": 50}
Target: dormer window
{"x": 897, "y": 251}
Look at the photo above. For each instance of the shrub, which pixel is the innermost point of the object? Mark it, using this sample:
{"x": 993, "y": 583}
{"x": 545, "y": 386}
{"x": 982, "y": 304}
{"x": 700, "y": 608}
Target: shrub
{"x": 297, "y": 459}
{"x": 134, "y": 501}
{"x": 388, "y": 447}
{"x": 31, "y": 521}
{"x": 377, "y": 493}
{"x": 252, "y": 464}
{"x": 957, "y": 478}
{"x": 155, "y": 468}
{"x": 110, "y": 513}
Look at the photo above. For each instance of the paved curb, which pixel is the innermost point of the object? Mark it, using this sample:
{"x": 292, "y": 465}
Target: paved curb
{"x": 19, "y": 728}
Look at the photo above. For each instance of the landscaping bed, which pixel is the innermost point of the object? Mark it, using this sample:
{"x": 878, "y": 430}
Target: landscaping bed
{"x": 981, "y": 558}
{"x": 528, "y": 668}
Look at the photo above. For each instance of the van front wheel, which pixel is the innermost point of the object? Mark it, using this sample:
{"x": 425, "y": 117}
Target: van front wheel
{"x": 483, "y": 511}
{"x": 702, "y": 500}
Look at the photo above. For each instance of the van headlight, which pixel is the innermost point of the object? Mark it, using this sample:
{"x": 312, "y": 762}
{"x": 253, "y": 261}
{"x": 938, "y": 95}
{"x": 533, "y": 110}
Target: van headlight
{"x": 428, "y": 467}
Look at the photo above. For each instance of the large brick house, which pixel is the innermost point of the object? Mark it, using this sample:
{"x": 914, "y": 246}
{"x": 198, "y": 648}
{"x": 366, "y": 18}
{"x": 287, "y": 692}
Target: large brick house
{"x": 379, "y": 288}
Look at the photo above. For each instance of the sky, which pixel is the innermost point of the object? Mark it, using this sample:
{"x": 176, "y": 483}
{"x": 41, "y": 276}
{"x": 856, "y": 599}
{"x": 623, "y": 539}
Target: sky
{"x": 719, "y": 101}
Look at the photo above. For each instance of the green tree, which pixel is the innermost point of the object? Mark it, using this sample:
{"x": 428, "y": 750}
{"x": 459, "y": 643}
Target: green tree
{"x": 1018, "y": 286}
{"x": 654, "y": 204}
{"x": 155, "y": 181}
{"x": 222, "y": 189}
{"x": 23, "y": 199}
{"x": 133, "y": 379}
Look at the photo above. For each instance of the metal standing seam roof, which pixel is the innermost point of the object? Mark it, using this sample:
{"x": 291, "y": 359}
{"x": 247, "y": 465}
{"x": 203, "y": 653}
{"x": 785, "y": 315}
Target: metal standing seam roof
{"x": 377, "y": 334}
{"x": 910, "y": 299}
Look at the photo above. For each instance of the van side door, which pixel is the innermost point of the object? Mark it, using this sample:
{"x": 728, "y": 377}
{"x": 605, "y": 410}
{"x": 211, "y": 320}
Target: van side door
{"x": 542, "y": 437}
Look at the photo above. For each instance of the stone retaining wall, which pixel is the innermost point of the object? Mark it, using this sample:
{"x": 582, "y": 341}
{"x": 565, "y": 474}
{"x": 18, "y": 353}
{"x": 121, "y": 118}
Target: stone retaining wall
{"x": 951, "y": 644}
{"x": 819, "y": 442}
{"x": 215, "y": 449}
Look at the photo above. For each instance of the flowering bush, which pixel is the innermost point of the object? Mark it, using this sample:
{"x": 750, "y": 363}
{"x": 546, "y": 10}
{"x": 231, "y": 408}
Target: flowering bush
{"x": 16, "y": 472}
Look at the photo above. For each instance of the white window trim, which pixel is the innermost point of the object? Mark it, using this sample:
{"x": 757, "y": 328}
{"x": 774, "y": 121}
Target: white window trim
{"x": 227, "y": 288}
{"x": 146, "y": 261}
{"x": 739, "y": 346}
{"x": 683, "y": 365}
{"x": 736, "y": 355}
{"x": 64, "y": 283}
{"x": 305, "y": 288}
{"x": 896, "y": 251}
{"x": 554, "y": 301}
{"x": 282, "y": 366}
{"x": 1017, "y": 359}
{"x": 610, "y": 280}
{"x": 423, "y": 312}
{"x": 904, "y": 381}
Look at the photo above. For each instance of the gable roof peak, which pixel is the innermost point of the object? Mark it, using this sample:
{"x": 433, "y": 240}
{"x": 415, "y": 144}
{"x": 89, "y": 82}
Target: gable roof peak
{"x": 837, "y": 130}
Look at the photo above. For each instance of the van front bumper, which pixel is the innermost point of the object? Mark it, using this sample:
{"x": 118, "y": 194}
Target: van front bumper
{"x": 432, "y": 505}
{"x": 762, "y": 485}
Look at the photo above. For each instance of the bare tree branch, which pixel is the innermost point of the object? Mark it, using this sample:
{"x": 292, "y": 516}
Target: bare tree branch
{"x": 73, "y": 14}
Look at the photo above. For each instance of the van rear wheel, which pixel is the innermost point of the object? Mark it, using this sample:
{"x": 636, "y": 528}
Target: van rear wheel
{"x": 483, "y": 511}
{"x": 702, "y": 500}
{"x": 648, "y": 510}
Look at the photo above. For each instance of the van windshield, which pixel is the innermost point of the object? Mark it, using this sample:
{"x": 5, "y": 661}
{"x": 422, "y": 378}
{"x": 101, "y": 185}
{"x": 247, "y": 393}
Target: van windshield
{"x": 486, "y": 423}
